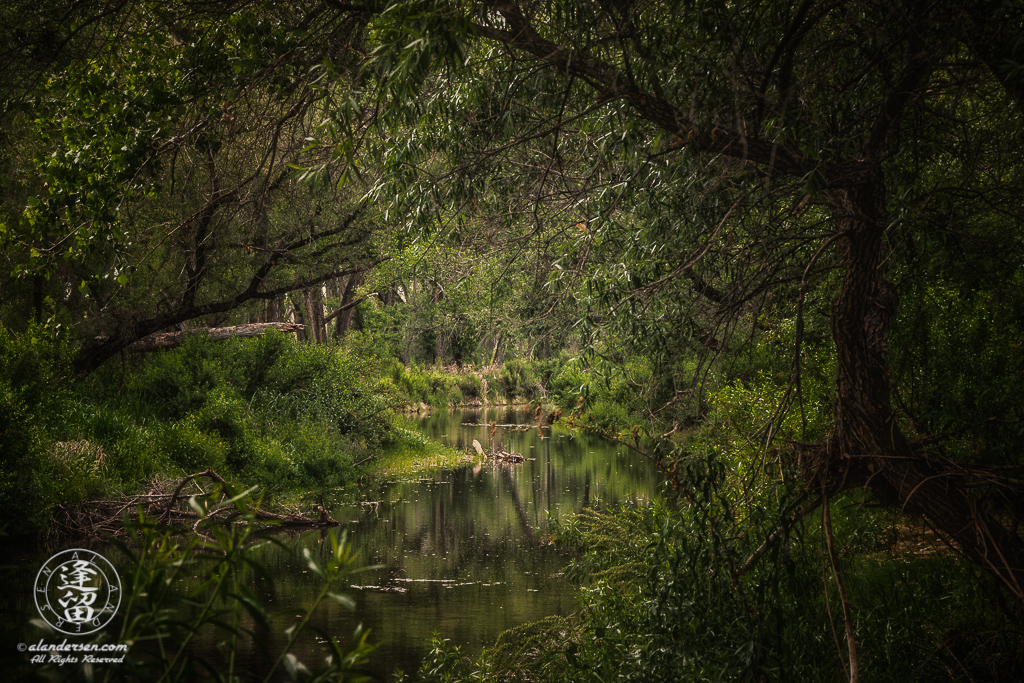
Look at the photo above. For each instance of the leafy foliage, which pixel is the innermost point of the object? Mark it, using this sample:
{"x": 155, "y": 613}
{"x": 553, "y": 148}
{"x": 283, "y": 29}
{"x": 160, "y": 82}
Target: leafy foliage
{"x": 164, "y": 612}
{"x": 780, "y": 276}
{"x": 265, "y": 411}
{"x": 657, "y": 601}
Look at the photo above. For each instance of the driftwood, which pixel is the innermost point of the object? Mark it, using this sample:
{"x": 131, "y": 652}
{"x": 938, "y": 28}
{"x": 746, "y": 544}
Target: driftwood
{"x": 507, "y": 457}
{"x": 499, "y": 455}
{"x": 167, "y": 340}
{"x": 526, "y": 426}
{"x": 167, "y": 502}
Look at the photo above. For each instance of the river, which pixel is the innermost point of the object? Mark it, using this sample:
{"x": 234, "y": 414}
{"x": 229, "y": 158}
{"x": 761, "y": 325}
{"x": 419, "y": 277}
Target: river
{"x": 464, "y": 552}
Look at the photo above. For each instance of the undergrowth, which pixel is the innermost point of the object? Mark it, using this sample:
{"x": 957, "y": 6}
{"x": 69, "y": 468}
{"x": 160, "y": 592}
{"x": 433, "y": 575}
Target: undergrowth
{"x": 657, "y": 601}
{"x": 268, "y": 412}
{"x": 182, "y": 588}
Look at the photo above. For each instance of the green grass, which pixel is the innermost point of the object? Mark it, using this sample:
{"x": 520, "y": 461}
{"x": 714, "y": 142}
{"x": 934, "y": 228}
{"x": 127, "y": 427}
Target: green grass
{"x": 413, "y": 453}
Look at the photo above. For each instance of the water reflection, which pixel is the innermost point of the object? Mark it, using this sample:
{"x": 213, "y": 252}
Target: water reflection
{"x": 463, "y": 552}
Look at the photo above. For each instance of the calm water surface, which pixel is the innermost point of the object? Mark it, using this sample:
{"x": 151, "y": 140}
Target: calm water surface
{"x": 464, "y": 551}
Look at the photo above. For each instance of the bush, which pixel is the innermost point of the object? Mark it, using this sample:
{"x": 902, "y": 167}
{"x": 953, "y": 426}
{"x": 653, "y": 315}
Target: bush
{"x": 609, "y": 416}
{"x": 470, "y": 386}
{"x": 226, "y": 417}
{"x": 190, "y": 448}
{"x": 23, "y": 496}
{"x": 32, "y": 389}
{"x": 416, "y": 386}
{"x": 494, "y": 387}
{"x": 308, "y": 455}
{"x": 172, "y": 384}
{"x": 237, "y": 388}
{"x": 320, "y": 462}
{"x": 569, "y": 384}
{"x": 432, "y": 387}
{"x": 519, "y": 380}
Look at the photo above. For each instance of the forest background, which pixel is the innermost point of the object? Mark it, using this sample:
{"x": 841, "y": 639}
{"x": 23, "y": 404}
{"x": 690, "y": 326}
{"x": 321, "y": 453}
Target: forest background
{"x": 774, "y": 246}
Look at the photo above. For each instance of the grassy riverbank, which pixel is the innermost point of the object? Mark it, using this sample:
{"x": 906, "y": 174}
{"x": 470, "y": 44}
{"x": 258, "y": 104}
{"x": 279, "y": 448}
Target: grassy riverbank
{"x": 269, "y": 412}
{"x": 265, "y": 412}
{"x": 410, "y": 452}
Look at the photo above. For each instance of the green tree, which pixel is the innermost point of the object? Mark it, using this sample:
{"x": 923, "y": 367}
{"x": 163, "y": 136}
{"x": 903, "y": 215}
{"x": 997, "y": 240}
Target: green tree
{"x": 747, "y": 161}
{"x": 180, "y": 170}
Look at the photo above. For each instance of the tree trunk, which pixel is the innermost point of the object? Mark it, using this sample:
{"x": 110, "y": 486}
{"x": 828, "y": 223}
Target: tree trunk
{"x": 440, "y": 341}
{"x": 868, "y": 448}
{"x": 296, "y": 315}
{"x": 272, "y": 311}
{"x": 313, "y": 309}
{"x": 344, "y": 320}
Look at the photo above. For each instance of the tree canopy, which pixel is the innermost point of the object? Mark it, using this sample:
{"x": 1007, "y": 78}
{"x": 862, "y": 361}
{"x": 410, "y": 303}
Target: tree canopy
{"x": 836, "y": 181}
{"x": 715, "y": 164}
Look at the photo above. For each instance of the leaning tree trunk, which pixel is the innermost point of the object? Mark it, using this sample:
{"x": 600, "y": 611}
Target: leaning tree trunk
{"x": 868, "y": 448}
{"x": 169, "y": 340}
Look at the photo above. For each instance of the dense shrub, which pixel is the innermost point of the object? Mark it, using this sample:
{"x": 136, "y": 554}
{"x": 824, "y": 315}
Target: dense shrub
{"x": 32, "y": 388}
{"x": 22, "y": 496}
{"x": 434, "y": 387}
{"x": 319, "y": 464}
{"x": 416, "y": 386}
{"x": 266, "y": 411}
{"x": 190, "y": 448}
{"x": 51, "y": 449}
{"x": 172, "y": 384}
{"x": 277, "y": 412}
{"x": 494, "y": 387}
{"x": 607, "y": 399}
{"x": 470, "y": 386}
{"x": 608, "y": 416}
{"x": 568, "y": 384}
{"x": 519, "y": 379}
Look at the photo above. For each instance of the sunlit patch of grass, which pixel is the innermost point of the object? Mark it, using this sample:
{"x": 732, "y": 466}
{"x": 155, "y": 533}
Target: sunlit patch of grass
{"x": 413, "y": 453}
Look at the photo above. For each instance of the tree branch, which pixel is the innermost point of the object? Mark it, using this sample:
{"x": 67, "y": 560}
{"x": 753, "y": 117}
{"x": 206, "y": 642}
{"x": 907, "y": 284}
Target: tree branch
{"x": 611, "y": 85}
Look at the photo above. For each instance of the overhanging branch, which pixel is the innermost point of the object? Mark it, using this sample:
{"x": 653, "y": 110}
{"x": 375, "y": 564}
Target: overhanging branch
{"x": 610, "y": 85}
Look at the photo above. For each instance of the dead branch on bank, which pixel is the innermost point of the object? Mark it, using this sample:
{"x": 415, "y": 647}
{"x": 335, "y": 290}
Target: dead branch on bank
{"x": 171, "y": 503}
{"x": 167, "y": 340}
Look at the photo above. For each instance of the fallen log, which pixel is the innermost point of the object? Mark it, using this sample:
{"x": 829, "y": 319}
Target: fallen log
{"x": 167, "y": 340}
{"x": 168, "y": 503}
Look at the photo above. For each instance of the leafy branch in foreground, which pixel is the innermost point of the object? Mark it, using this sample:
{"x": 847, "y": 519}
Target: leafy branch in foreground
{"x": 166, "y": 612}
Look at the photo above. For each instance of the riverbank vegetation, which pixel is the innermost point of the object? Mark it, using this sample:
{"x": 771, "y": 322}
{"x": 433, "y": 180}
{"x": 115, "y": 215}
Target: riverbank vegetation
{"x": 283, "y": 416}
{"x": 193, "y": 605}
{"x": 266, "y": 412}
{"x": 774, "y": 247}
